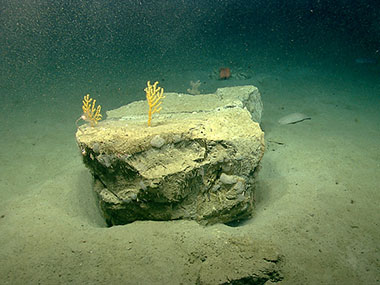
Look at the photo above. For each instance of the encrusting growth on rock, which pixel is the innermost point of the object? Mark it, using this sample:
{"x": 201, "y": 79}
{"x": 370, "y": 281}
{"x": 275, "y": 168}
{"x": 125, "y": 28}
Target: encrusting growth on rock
{"x": 90, "y": 113}
{"x": 154, "y": 98}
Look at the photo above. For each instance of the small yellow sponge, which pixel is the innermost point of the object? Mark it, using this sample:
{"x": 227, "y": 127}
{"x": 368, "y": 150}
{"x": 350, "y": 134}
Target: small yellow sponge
{"x": 154, "y": 95}
{"x": 90, "y": 113}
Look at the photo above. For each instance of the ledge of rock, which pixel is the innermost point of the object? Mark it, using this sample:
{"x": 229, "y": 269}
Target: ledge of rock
{"x": 244, "y": 97}
{"x": 199, "y": 165}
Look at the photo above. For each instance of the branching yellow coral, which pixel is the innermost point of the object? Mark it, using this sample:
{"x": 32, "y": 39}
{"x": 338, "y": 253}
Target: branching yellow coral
{"x": 90, "y": 113}
{"x": 154, "y": 97}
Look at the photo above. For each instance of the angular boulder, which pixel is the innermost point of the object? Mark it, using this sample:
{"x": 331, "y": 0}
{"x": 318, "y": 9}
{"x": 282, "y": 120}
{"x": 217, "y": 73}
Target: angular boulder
{"x": 198, "y": 165}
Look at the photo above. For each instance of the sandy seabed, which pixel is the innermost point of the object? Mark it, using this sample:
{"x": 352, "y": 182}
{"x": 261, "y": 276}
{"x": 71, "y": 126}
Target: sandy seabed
{"x": 317, "y": 194}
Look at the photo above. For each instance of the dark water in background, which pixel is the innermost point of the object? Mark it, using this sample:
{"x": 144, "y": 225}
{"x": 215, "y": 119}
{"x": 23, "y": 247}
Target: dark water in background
{"x": 42, "y": 41}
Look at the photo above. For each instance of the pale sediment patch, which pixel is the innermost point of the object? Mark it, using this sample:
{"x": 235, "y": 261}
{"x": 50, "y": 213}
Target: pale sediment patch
{"x": 293, "y": 118}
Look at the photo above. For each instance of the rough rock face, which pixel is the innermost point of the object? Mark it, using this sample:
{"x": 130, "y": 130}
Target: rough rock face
{"x": 198, "y": 165}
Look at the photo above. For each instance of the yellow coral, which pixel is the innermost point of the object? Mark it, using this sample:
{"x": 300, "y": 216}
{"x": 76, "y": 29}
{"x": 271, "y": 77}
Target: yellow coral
{"x": 154, "y": 97}
{"x": 90, "y": 113}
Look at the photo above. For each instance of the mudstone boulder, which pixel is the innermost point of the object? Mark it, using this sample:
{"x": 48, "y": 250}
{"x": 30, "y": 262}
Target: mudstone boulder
{"x": 198, "y": 160}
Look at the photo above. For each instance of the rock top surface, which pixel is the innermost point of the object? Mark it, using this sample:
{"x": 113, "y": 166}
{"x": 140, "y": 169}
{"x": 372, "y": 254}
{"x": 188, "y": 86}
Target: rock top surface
{"x": 247, "y": 97}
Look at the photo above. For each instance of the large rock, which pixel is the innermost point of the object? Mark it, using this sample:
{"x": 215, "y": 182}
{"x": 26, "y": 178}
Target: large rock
{"x": 197, "y": 165}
